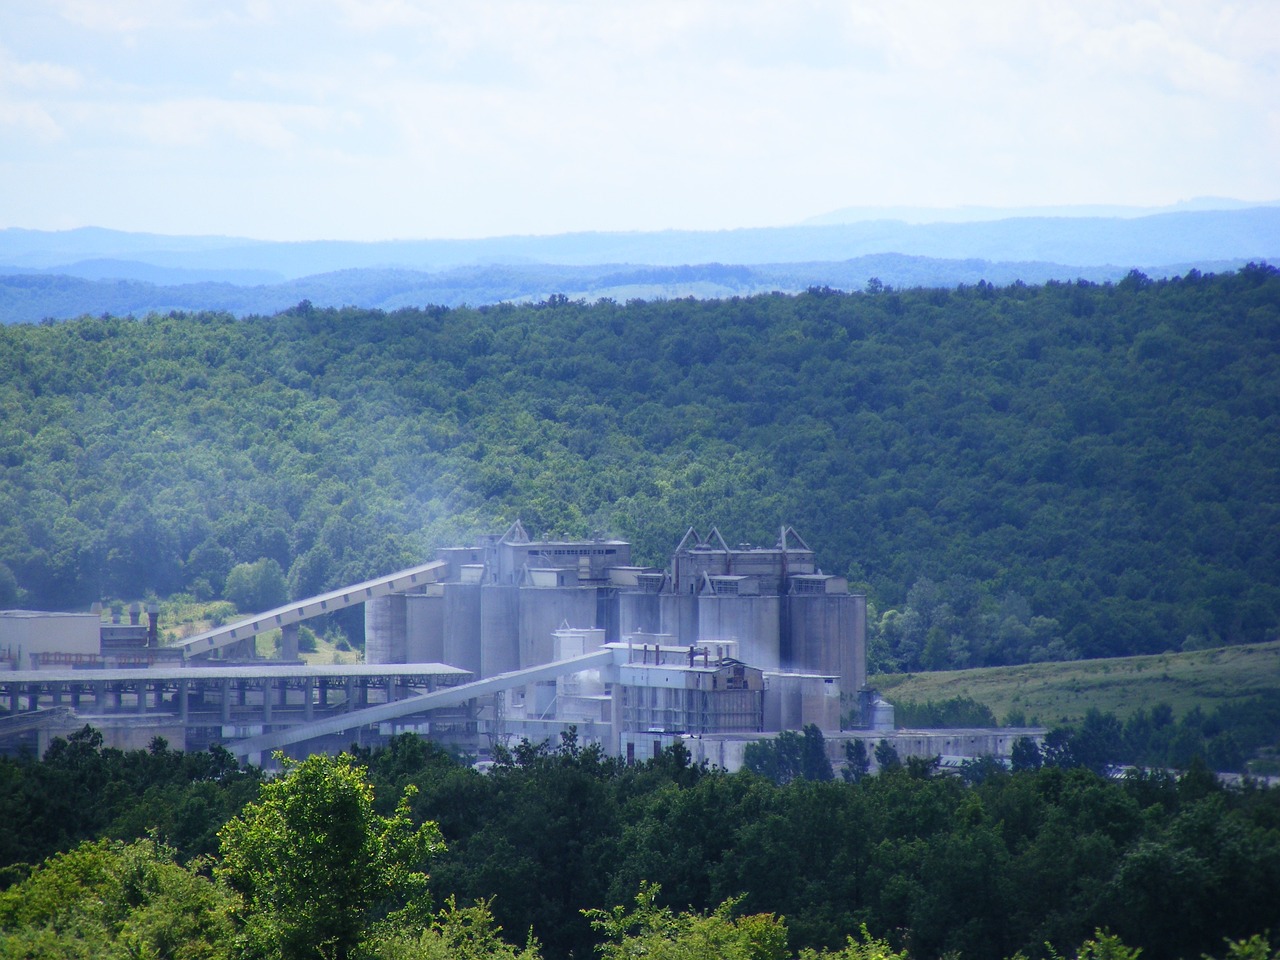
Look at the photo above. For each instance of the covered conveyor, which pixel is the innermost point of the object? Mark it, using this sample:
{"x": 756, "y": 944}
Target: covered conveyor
{"x": 203, "y": 644}
{"x": 263, "y": 744}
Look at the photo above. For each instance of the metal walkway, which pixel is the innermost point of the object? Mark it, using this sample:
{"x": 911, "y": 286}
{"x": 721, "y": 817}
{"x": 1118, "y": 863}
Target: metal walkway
{"x": 402, "y": 581}
{"x": 452, "y": 697}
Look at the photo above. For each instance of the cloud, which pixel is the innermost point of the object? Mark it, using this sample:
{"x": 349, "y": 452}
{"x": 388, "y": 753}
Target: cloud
{"x": 534, "y": 116}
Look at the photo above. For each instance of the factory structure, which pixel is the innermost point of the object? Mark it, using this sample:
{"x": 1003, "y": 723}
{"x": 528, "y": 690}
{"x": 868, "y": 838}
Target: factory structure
{"x": 726, "y": 641}
{"x": 510, "y": 637}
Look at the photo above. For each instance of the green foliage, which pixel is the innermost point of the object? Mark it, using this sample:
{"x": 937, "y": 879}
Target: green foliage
{"x": 657, "y": 933}
{"x": 857, "y": 764}
{"x": 255, "y": 587}
{"x": 887, "y": 758}
{"x": 953, "y": 712}
{"x": 1256, "y": 947}
{"x": 862, "y": 947}
{"x": 455, "y": 933}
{"x": 316, "y": 866}
{"x": 790, "y": 756}
{"x": 985, "y": 869}
{"x": 82, "y": 791}
{"x": 116, "y": 901}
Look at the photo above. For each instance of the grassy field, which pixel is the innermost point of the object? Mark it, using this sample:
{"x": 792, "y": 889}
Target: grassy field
{"x": 1053, "y": 693}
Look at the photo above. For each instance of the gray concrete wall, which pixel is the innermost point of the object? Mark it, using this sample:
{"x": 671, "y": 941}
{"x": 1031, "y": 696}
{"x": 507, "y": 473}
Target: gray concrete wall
{"x": 752, "y": 621}
{"x": 499, "y": 629}
{"x": 639, "y": 613}
{"x": 461, "y": 641}
{"x": 680, "y": 616}
{"x": 385, "y": 629}
{"x": 424, "y": 622}
{"x": 546, "y": 609}
{"x": 828, "y": 636}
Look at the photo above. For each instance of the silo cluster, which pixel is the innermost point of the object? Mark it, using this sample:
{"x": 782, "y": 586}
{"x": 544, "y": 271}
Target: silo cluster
{"x": 499, "y": 606}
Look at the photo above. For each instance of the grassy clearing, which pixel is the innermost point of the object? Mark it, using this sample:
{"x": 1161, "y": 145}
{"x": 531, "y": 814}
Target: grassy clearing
{"x": 1054, "y": 693}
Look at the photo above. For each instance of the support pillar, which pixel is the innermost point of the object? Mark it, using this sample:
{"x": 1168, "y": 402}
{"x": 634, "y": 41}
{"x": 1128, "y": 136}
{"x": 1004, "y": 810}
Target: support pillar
{"x": 226, "y": 700}
{"x": 308, "y": 691}
{"x": 183, "y": 712}
{"x": 289, "y": 641}
{"x": 267, "y": 695}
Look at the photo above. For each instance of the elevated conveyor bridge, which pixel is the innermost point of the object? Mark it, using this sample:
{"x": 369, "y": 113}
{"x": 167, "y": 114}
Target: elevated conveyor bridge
{"x": 255, "y": 747}
{"x": 219, "y": 638}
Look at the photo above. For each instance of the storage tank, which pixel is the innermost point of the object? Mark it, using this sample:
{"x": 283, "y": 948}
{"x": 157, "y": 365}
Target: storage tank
{"x": 543, "y": 610}
{"x": 827, "y": 635}
{"x": 639, "y": 613}
{"x": 424, "y": 626}
{"x": 385, "y": 629}
{"x": 499, "y": 629}
{"x": 461, "y": 641}
{"x": 751, "y": 620}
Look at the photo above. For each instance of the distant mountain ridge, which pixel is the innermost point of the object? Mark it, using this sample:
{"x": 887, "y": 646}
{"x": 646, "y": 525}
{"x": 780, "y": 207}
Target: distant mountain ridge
{"x": 92, "y": 270}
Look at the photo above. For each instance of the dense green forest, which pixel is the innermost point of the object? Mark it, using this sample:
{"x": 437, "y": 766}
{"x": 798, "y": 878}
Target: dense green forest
{"x": 404, "y": 853}
{"x": 1013, "y": 474}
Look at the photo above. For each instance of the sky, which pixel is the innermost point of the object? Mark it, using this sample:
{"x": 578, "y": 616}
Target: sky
{"x": 397, "y": 119}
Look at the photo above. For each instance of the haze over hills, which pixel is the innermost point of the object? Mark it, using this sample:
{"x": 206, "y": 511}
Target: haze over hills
{"x": 93, "y": 270}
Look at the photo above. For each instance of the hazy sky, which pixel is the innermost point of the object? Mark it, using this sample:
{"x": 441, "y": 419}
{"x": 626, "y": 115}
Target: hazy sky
{"x": 379, "y": 119}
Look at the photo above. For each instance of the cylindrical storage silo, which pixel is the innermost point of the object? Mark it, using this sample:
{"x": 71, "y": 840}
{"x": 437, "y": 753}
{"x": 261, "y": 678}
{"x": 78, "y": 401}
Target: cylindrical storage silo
{"x": 385, "y": 629}
{"x": 639, "y": 613}
{"x": 461, "y": 642}
{"x": 543, "y": 610}
{"x": 425, "y": 627}
{"x": 828, "y": 636}
{"x": 499, "y": 629}
{"x": 751, "y": 620}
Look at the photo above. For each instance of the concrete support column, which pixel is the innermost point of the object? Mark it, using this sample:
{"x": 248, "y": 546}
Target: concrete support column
{"x": 350, "y": 686}
{"x": 142, "y": 696}
{"x": 324, "y": 692}
{"x": 55, "y": 694}
{"x": 182, "y": 700}
{"x": 308, "y": 692}
{"x": 226, "y": 700}
{"x": 99, "y": 695}
{"x": 289, "y": 641}
{"x": 268, "y": 694}
{"x": 364, "y": 691}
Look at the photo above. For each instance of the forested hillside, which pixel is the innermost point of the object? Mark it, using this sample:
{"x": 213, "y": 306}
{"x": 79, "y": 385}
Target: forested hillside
{"x": 1012, "y": 473}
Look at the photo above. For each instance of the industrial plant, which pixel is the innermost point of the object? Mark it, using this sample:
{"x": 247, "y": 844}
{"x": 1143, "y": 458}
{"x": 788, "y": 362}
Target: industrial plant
{"x": 507, "y": 638}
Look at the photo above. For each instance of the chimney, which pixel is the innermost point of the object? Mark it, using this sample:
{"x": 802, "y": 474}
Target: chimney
{"x": 135, "y": 614}
{"x": 153, "y": 620}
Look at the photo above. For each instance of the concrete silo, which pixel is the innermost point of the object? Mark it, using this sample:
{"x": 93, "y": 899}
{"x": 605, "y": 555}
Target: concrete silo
{"x": 385, "y": 629}
{"x": 826, "y": 630}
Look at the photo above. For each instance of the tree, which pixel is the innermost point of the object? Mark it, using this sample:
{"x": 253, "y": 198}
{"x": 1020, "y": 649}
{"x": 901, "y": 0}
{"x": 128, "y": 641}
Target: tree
{"x": 111, "y": 901}
{"x": 657, "y": 933}
{"x": 455, "y": 933}
{"x": 255, "y": 587}
{"x": 1025, "y": 755}
{"x": 790, "y": 756}
{"x": 887, "y": 757}
{"x": 315, "y": 866}
{"x": 857, "y": 762}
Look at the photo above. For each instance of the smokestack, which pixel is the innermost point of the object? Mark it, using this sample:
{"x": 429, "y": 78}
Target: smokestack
{"x": 153, "y": 620}
{"x": 135, "y": 614}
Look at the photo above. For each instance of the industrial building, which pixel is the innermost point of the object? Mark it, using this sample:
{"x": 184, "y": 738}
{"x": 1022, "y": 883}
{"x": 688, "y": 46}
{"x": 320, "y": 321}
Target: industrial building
{"x": 509, "y": 637}
{"x": 496, "y": 606}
